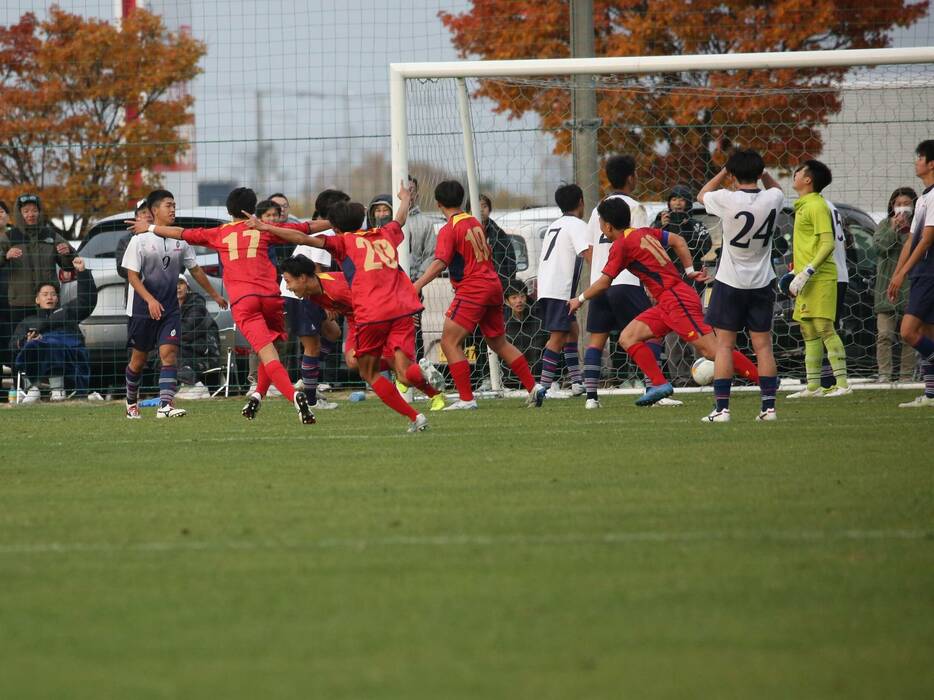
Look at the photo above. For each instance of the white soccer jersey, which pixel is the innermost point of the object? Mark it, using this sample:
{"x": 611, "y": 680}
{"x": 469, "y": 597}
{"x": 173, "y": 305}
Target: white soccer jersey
{"x": 316, "y": 255}
{"x": 839, "y": 244}
{"x": 159, "y": 262}
{"x": 560, "y": 263}
{"x": 601, "y": 244}
{"x": 748, "y": 218}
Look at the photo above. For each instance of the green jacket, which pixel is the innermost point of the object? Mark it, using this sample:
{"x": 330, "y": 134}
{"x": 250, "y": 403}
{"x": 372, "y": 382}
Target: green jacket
{"x": 37, "y": 264}
{"x": 888, "y": 245}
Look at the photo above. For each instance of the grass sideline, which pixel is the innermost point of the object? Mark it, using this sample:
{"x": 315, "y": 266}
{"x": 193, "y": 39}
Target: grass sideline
{"x": 505, "y": 553}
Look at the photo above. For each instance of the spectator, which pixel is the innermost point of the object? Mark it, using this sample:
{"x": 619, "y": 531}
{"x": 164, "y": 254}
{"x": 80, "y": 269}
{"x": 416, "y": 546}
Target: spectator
{"x": 888, "y": 241}
{"x": 200, "y": 349}
{"x": 524, "y": 327}
{"x": 504, "y": 255}
{"x": 49, "y": 343}
{"x": 29, "y": 253}
{"x": 422, "y": 236}
{"x": 4, "y": 307}
{"x": 379, "y": 212}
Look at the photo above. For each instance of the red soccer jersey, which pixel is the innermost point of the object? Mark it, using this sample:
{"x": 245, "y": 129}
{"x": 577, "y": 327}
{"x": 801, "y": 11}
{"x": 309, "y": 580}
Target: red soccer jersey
{"x": 642, "y": 251}
{"x": 244, "y": 253}
{"x": 463, "y": 248}
{"x": 335, "y": 294}
{"x": 380, "y": 290}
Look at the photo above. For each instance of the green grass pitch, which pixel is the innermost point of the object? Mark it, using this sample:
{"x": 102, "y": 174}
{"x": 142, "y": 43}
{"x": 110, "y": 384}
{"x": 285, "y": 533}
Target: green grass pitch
{"x": 506, "y": 553}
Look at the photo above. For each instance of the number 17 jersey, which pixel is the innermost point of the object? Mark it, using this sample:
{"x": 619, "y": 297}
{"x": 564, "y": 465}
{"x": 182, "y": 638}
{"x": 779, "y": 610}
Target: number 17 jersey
{"x": 748, "y": 218}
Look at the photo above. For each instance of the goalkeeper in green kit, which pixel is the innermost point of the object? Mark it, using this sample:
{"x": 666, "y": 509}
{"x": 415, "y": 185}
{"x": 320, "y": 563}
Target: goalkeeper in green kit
{"x": 814, "y": 286}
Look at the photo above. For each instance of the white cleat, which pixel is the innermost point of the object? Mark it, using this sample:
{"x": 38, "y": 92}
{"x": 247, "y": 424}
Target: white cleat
{"x": 836, "y": 391}
{"x": 592, "y": 404}
{"x": 717, "y": 416}
{"x": 462, "y": 406}
{"x": 431, "y": 375}
{"x": 668, "y": 402}
{"x": 536, "y": 397}
{"x": 132, "y": 411}
{"x": 806, "y": 394}
{"x": 767, "y": 415}
{"x": 323, "y": 404}
{"x": 170, "y": 411}
{"x": 419, "y": 425}
{"x": 918, "y": 402}
{"x": 555, "y": 392}
{"x": 33, "y": 395}
{"x": 578, "y": 389}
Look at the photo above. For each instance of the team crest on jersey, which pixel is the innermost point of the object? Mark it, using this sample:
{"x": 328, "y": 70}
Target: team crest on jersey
{"x": 172, "y": 334}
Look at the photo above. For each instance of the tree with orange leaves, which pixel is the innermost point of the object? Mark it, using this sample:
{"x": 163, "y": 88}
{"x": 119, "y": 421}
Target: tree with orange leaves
{"x": 681, "y": 124}
{"x": 86, "y": 105}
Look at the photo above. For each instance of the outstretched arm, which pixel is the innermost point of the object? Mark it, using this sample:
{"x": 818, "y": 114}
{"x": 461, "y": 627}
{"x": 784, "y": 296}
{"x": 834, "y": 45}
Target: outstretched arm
{"x": 289, "y": 235}
{"x": 680, "y": 246}
{"x": 434, "y": 269}
{"x": 141, "y": 226}
{"x": 596, "y": 289}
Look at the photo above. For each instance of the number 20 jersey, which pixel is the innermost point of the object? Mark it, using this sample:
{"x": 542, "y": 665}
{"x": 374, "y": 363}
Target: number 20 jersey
{"x": 462, "y": 246}
{"x": 381, "y": 291}
{"x": 749, "y": 222}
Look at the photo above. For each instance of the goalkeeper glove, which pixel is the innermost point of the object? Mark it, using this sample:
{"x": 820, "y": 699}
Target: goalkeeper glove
{"x": 801, "y": 279}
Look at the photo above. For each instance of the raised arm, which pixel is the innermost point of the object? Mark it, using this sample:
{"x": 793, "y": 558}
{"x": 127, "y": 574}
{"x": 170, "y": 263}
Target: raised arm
{"x": 768, "y": 181}
{"x": 715, "y": 183}
{"x": 405, "y": 201}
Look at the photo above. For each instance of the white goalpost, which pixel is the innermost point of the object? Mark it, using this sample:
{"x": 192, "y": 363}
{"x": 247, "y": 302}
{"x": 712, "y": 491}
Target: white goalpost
{"x": 502, "y": 150}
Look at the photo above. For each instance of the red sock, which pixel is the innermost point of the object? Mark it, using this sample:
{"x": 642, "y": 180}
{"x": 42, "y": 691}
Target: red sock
{"x": 280, "y": 379}
{"x": 392, "y": 398}
{"x": 643, "y": 356}
{"x": 262, "y": 380}
{"x": 744, "y": 367}
{"x": 520, "y": 368}
{"x": 460, "y": 373}
{"x": 414, "y": 376}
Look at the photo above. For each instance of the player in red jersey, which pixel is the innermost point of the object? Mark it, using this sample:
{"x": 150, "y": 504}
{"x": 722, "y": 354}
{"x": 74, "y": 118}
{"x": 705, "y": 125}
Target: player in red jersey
{"x": 384, "y": 302}
{"x": 250, "y": 280}
{"x": 677, "y": 306}
{"x": 478, "y": 297}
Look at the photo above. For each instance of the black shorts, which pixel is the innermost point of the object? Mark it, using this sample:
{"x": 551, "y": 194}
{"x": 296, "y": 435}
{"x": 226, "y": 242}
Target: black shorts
{"x": 735, "y": 309}
{"x": 921, "y": 299}
{"x": 615, "y": 308}
{"x": 304, "y": 317}
{"x": 555, "y": 316}
{"x": 145, "y": 334}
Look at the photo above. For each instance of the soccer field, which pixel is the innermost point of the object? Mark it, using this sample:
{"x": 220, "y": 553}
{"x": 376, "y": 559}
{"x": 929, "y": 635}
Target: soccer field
{"x": 505, "y": 553}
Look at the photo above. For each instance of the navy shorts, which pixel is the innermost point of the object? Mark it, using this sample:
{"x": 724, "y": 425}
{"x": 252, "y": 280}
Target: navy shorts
{"x": 555, "y": 316}
{"x": 145, "y": 334}
{"x": 615, "y": 308}
{"x": 921, "y": 299}
{"x": 735, "y": 309}
{"x": 305, "y": 317}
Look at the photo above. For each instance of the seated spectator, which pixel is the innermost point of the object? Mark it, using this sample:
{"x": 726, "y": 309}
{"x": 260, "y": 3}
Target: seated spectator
{"x": 49, "y": 343}
{"x": 524, "y": 326}
{"x": 200, "y": 348}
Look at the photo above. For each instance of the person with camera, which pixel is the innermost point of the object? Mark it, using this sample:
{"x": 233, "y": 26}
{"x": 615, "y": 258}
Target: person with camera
{"x": 49, "y": 343}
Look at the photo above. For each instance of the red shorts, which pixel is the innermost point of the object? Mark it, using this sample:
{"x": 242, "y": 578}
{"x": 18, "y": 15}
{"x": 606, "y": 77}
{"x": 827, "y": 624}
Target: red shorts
{"x": 678, "y": 309}
{"x": 260, "y": 319}
{"x": 384, "y": 338}
{"x": 469, "y": 315}
{"x": 351, "y": 340}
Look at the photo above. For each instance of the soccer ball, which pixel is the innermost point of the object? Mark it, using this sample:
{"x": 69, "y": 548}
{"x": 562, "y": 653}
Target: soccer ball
{"x": 702, "y": 371}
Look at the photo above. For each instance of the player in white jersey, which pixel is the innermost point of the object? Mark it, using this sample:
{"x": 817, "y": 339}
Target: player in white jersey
{"x": 559, "y": 271}
{"x": 625, "y": 299}
{"x": 827, "y": 379}
{"x": 743, "y": 296}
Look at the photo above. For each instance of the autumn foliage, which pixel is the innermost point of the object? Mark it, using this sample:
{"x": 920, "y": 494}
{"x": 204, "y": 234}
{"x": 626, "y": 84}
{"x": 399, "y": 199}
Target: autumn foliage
{"x": 65, "y": 128}
{"x": 682, "y": 124}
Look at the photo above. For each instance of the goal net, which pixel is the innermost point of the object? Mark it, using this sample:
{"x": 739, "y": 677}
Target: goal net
{"x": 861, "y": 112}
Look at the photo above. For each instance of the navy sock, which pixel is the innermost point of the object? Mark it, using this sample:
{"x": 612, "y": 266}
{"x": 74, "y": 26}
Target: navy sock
{"x": 310, "y": 378}
{"x": 767, "y": 387}
{"x": 593, "y": 357}
{"x": 721, "y": 392}
{"x": 550, "y": 362}
{"x": 168, "y": 383}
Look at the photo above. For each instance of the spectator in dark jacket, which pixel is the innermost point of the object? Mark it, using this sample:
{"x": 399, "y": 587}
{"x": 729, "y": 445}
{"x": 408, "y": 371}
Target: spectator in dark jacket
{"x": 677, "y": 219}
{"x": 524, "y": 326}
{"x": 504, "y": 255}
{"x": 200, "y": 348}
{"x": 49, "y": 343}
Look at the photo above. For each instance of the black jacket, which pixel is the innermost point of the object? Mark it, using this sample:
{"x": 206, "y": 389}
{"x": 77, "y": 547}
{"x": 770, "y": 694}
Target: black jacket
{"x": 200, "y": 346}
{"x": 64, "y": 319}
{"x": 504, "y": 255}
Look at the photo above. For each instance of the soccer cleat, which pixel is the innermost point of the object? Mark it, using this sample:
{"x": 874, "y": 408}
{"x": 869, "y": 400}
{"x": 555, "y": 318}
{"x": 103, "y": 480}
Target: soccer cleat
{"x": 252, "y": 407}
{"x": 806, "y": 394}
{"x": 668, "y": 402}
{"x": 836, "y": 391}
{"x": 324, "y": 404}
{"x": 918, "y": 402}
{"x": 169, "y": 411}
{"x": 419, "y": 425}
{"x": 437, "y": 402}
{"x": 304, "y": 411}
{"x": 33, "y": 395}
{"x": 431, "y": 375}
{"x": 767, "y": 415}
{"x": 721, "y": 415}
{"x": 462, "y": 405}
{"x": 555, "y": 392}
{"x": 272, "y": 392}
{"x": 132, "y": 411}
{"x": 655, "y": 394}
{"x": 592, "y": 404}
{"x": 578, "y": 389}
{"x": 536, "y": 396}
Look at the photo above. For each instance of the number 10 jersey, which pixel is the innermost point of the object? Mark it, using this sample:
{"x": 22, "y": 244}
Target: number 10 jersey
{"x": 462, "y": 246}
